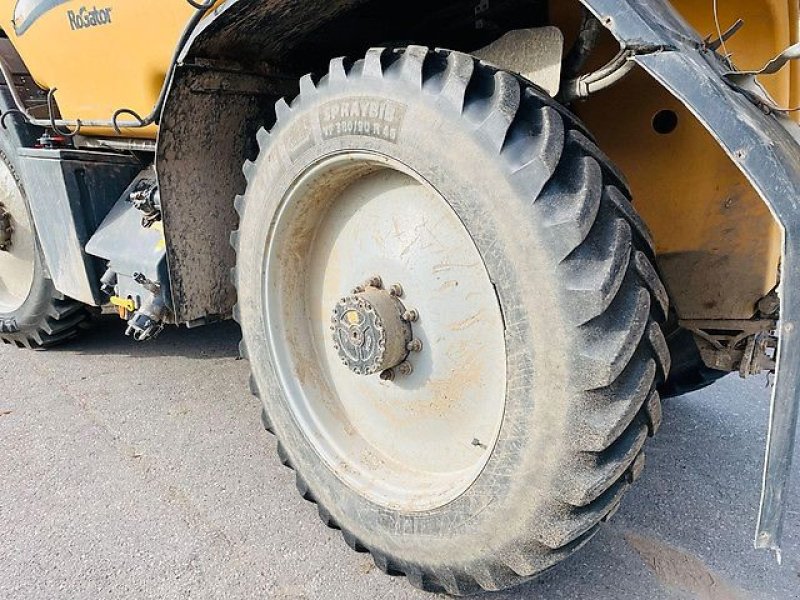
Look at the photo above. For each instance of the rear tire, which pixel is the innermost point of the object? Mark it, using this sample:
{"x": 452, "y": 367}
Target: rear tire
{"x": 32, "y": 313}
{"x": 572, "y": 268}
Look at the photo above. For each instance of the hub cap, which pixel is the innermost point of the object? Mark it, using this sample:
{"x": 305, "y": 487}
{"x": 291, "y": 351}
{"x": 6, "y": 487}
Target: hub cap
{"x": 372, "y": 331}
{"x": 400, "y": 389}
{"x": 16, "y": 244}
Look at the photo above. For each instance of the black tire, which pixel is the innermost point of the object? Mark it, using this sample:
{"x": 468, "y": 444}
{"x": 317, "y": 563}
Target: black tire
{"x": 573, "y": 267}
{"x": 689, "y": 373}
{"x": 46, "y": 317}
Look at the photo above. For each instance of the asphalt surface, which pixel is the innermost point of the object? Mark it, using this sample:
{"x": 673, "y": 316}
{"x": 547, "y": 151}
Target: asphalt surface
{"x": 141, "y": 471}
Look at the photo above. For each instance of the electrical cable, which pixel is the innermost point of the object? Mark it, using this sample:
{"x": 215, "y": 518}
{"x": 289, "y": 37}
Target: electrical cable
{"x": 53, "y": 123}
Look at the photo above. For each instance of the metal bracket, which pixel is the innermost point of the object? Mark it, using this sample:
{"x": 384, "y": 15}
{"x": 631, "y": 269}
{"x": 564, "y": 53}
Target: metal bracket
{"x": 716, "y": 44}
{"x": 747, "y": 346}
{"x": 747, "y": 81}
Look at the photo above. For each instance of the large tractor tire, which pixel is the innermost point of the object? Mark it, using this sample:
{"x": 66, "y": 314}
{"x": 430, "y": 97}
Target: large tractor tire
{"x": 32, "y": 313}
{"x": 451, "y": 315}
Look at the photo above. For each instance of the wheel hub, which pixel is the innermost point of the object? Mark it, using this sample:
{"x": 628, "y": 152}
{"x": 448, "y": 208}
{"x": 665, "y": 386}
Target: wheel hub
{"x": 5, "y": 229}
{"x": 372, "y": 330}
{"x": 402, "y": 438}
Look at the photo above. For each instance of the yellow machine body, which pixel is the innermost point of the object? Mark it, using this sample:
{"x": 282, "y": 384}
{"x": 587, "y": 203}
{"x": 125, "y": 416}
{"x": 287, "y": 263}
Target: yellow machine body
{"x": 97, "y": 65}
{"x": 719, "y": 246}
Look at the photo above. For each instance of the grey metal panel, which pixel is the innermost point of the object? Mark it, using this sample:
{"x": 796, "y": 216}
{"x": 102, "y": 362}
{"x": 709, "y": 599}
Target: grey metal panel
{"x": 130, "y": 249}
{"x": 768, "y": 155}
{"x": 128, "y": 246}
{"x": 70, "y": 192}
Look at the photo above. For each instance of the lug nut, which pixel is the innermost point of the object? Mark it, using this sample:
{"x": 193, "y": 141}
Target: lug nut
{"x": 358, "y": 290}
{"x": 387, "y": 375}
{"x": 414, "y": 346}
{"x": 410, "y": 316}
{"x": 375, "y": 282}
{"x": 405, "y": 369}
{"x": 396, "y": 290}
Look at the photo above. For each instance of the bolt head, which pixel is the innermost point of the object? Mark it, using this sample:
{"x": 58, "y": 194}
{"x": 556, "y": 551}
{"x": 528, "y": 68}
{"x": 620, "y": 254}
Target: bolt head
{"x": 405, "y": 369}
{"x": 387, "y": 375}
{"x": 410, "y": 316}
{"x": 414, "y": 345}
{"x": 396, "y": 290}
{"x": 374, "y": 281}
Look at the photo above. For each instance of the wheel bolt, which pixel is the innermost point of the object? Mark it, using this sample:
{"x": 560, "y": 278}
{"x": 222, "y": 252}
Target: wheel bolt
{"x": 358, "y": 290}
{"x": 387, "y": 375}
{"x": 410, "y": 316}
{"x": 414, "y": 346}
{"x": 405, "y": 369}
{"x": 396, "y": 290}
{"x": 375, "y": 282}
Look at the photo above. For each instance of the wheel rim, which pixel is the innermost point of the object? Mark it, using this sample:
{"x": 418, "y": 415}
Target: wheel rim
{"x": 418, "y": 441}
{"x": 17, "y": 260}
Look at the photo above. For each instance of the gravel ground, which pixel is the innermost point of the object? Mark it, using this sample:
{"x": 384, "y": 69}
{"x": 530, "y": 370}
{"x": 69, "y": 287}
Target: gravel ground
{"x": 141, "y": 471}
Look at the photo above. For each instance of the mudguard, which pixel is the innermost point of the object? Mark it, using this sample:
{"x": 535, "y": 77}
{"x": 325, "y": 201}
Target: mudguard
{"x": 764, "y": 148}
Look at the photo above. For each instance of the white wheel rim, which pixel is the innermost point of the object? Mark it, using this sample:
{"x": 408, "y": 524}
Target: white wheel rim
{"x": 420, "y": 441}
{"x": 17, "y": 262}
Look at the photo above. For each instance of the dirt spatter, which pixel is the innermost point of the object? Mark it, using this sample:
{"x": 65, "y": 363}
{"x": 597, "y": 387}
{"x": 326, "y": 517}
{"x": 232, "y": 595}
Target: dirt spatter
{"x": 679, "y": 570}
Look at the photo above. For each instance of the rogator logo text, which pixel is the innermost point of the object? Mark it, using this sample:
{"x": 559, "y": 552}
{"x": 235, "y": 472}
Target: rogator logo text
{"x": 88, "y": 17}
